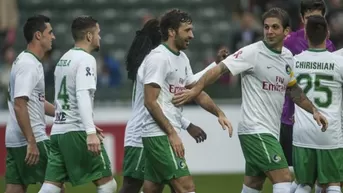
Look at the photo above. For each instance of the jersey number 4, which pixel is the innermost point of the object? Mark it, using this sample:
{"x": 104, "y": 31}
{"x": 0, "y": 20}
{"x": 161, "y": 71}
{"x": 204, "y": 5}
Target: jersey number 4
{"x": 317, "y": 88}
{"x": 63, "y": 95}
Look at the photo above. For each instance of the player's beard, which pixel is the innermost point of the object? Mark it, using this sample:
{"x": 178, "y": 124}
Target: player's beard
{"x": 96, "y": 49}
{"x": 180, "y": 43}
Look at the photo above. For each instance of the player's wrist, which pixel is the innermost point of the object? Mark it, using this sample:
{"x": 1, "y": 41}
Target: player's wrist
{"x": 91, "y": 131}
{"x": 171, "y": 132}
{"x": 31, "y": 140}
{"x": 314, "y": 110}
{"x": 220, "y": 113}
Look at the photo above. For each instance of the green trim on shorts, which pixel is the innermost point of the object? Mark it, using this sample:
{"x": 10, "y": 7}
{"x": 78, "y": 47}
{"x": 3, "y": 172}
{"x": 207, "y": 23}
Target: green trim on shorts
{"x": 70, "y": 160}
{"x": 262, "y": 153}
{"x": 161, "y": 163}
{"x": 325, "y": 166}
{"x": 134, "y": 162}
{"x": 18, "y": 172}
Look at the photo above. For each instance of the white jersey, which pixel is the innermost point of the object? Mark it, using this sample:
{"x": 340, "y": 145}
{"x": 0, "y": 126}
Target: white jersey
{"x": 266, "y": 74}
{"x": 133, "y": 130}
{"x": 76, "y": 70}
{"x": 339, "y": 52}
{"x": 26, "y": 79}
{"x": 172, "y": 72}
{"x": 320, "y": 74}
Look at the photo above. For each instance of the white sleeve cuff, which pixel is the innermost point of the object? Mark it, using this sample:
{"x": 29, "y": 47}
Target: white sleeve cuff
{"x": 198, "y": 75}
{"x": 86, "y": 111}
{"x": 185, "y": 123}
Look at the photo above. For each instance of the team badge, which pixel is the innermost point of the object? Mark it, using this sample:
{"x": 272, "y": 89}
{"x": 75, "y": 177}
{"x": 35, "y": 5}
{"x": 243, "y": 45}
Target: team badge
{"x": 276, "y": 158}
{"x": 182, "y": 164}
{"x": 288, "y": 69}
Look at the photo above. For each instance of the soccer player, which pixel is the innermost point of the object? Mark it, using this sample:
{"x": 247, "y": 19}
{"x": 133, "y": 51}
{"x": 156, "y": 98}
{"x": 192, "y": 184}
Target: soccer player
{"x": 297, "y": 43}
{"x": 146, "y": 39}
{"x": 317, "y": 155}
{"x": 77, "y": 155}
{"x": 164, "y": 72}
{"x": 266, "y": 68}
{"x": 27, "y": 143}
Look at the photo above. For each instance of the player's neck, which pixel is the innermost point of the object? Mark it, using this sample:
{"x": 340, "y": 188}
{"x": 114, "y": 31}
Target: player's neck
{"x": 83, "y": 46}
{"x": 171, "y": 46}
{"x": 274, "y": 48}
{"x": 37, "y": 51}
{"x": 318, "y": 47}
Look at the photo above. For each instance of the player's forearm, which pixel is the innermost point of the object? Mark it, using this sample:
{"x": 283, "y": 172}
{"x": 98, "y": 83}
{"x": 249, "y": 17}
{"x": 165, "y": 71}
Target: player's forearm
{"x": 84, "y": 103}
{"x": 210, "y": 77}
{"x": 208, "y": 104}
{"x": 185, "y": 123}
{"x": 299, "y": 97}
{"x": 23, "y": 119}
{"x": 198, "y": 75}
{"x": 49, "y": 109}
{"x": 157, "y": 114}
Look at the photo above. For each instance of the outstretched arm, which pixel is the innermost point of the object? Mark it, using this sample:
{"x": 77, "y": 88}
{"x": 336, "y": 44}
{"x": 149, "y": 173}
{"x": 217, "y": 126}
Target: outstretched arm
{"x": 299, "y": 97}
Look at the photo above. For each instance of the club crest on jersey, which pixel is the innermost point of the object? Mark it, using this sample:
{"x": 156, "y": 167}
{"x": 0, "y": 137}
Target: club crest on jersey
{"x": 41, "y": 97}
{"x": 181, "y": 80}
{"x": 288, "y": 69}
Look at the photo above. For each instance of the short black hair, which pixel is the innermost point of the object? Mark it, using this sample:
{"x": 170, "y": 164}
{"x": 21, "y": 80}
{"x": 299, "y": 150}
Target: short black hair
{"x": 34, "y": 24}
{"x": 81, "y": 25}
{"x": 146, "y": 39}
{"x": 172, "y": 20}
{"x": 312, "y": 5}
{"x": 279, "y": 13}
{"x": 316, "y": 29}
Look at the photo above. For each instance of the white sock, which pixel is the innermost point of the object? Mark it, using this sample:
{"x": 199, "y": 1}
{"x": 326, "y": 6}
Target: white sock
{"x": 318, "y": 189}
{"x": 109, "y": 187}
{"x": 303, "y": 189}
{"x": 333, "y": 189}
{"x": 49, "y": 188}
{"x": 294, "y": 187}
{"x": 282, "y": 187}
{"x": 247, "y": 189}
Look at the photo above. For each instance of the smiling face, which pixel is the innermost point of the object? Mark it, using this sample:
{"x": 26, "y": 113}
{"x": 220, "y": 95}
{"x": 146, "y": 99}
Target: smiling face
{"x": 183, "y": 36}
{"x": 274, "y": 33}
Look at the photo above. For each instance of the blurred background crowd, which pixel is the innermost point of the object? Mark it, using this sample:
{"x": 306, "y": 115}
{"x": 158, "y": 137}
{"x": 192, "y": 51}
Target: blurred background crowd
{"x": 217, "y": 23}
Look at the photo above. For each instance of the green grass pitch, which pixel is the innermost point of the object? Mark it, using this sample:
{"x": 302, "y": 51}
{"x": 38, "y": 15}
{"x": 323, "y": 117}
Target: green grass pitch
{"x": 223, "y": 183}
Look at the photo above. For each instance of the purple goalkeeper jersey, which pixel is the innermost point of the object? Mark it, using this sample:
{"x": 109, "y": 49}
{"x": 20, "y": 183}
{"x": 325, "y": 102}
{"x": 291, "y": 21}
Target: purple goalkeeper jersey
{"x": 296, "y": 43}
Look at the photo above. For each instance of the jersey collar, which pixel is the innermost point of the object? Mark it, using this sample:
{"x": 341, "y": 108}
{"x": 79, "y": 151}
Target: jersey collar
{"x": 172, "y": 51}
{"x": 317, "y": 49}
{"x": 78, "y": 48}
{"x": 271, "y": 49}
{"x": 28, "y": 51}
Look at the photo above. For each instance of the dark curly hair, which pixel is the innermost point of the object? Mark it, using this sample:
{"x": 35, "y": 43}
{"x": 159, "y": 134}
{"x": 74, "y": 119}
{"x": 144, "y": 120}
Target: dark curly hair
{"x": 146, "y": 39}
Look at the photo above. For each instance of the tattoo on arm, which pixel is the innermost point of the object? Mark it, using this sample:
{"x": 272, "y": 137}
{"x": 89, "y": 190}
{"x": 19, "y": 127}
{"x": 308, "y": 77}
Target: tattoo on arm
{"x": 223, "y": 68}
{"x": 213, "y": 74}
{"x": 299, "y": 97}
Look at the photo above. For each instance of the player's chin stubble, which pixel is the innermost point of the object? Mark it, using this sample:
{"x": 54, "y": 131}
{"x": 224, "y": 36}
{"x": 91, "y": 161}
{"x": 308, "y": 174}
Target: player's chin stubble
{"x": 97, "y": 49}
{"x": 180, "y": 44}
